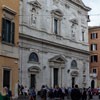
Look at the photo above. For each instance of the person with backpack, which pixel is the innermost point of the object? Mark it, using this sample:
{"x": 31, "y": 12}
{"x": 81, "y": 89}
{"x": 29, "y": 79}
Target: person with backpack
{"x": 43, "y": 93}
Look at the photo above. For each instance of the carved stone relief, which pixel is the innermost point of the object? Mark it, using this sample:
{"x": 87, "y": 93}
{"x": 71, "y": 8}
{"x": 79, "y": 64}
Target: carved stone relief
{"x": 56, "y": 1}
{"x": 73, "y": 30}
{"x": 33, "y": 17}
{"x": 74, "y": 25}
{"x": 35, "y": 6}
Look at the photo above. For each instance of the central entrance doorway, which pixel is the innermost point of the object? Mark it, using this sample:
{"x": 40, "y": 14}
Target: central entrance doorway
{"x": 6, "y": 78}
{"x": 33, "y": 80}
{"x": 55, "y": 76}
{"x": 92, "y": 84}
{"x": 73, "y": 82}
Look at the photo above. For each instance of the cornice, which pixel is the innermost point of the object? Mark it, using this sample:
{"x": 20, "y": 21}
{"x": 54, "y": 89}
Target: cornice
{"x": 82, "y": 5}
{"x": 94, "y": 28}
{"x": 6, "y": 8}
{"x": 31, "y": 38}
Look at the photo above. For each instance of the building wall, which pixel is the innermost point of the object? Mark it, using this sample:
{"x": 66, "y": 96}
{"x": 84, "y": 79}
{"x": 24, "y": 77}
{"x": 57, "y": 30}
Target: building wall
{"x": 95, "y": 65}
{"x": 45, "y": 53}
{"x": 39, "y": 37}
{"x": 9, "y": 52}
{"x": 13, "y": 67}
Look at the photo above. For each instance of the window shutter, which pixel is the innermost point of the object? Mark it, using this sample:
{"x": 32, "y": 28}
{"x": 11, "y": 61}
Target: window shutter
{"x": 91, "y": 47}
{"x": 91, "y": 36}
{"x": 96, "y": 46}
{"x": 96, "y": 35}
{"x": 3, "y": 29}
{"x": 13, "y": 32}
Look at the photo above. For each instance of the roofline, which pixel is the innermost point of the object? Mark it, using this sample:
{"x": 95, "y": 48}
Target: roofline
{"x": 94, "y": 27}
{"x": 84, "y": 7}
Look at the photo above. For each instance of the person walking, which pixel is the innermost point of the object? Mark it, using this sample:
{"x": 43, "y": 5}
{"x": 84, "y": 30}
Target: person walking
{"x": 84, "y": 94}
{"x": 32, "y": 94}
{"x": 57, "y": 93}
{"x": 43, "y": 93}
{"x": 90, "y": 95}
{"x": 75, "y": 93}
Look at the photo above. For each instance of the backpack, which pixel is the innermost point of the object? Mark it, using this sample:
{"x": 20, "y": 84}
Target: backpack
{"x": 43, "y": 93}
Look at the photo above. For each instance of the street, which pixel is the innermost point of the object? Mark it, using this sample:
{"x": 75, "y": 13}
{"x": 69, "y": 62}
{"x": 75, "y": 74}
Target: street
{"x": 26, "y": 98}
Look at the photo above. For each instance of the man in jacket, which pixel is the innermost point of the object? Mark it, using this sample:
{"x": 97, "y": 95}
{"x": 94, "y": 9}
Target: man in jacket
{"x": 75, "y": 93}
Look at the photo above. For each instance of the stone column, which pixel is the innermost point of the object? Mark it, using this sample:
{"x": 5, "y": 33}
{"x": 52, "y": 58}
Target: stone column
{"x": 59, "y": 77}
{"x": 52, "y": 78}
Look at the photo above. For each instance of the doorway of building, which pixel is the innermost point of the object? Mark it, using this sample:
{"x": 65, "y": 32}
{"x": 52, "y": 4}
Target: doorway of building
{"x": 33, "y": 80}
{"x": 55, "y": 76}
{"x": 6, "y": 78}
{"x": 73, "y": 82}
{"x": 92, "y": 84}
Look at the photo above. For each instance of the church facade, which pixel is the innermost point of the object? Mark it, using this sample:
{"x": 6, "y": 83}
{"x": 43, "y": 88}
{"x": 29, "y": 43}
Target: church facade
{"x": 53, "y": 43}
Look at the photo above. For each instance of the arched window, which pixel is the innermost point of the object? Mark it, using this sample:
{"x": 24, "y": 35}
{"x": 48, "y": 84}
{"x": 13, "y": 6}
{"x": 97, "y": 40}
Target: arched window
{"x": 73, "y": 64}
{"x": 33, "y": 57}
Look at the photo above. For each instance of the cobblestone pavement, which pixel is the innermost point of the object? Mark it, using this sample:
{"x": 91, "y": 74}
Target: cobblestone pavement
{"x": 26, "y": 98}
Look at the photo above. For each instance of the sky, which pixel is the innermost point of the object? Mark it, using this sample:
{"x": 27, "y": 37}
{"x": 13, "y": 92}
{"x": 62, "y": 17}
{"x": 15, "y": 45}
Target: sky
{"x": 95, "y": 12}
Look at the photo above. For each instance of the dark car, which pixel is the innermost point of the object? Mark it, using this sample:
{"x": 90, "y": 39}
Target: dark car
{"x": 95, "y": 91}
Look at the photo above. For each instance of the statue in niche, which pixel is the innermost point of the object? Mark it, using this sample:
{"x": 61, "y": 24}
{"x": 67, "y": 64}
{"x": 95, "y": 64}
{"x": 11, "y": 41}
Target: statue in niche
{"x": 73, "y": 30}
{"x": 33, "y": 16}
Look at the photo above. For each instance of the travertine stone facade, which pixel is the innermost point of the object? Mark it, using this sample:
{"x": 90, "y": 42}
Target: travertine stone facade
{"x": 56, "y": 32}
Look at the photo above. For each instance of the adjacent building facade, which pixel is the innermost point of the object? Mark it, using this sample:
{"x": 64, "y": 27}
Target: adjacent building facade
{"x": 9, "y": 37}
{"x": 94, "y": 38}
{"x": 53, "y": 43}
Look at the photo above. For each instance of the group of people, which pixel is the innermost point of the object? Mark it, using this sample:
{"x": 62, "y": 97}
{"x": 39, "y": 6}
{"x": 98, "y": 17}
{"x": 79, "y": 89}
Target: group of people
{"x": 57, "y": 93}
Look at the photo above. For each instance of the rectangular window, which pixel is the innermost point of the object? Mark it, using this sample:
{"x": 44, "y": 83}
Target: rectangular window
{"x": 6, "y": 78}
{"x": 93, "y": 47}
{"x": 94, "y": 58}
{"x": 8, "y": 31}
{"x": 55, "y": 26}
{"x": 55, "y": 76}
{"x": 94, "y": 71}
{"x": 94, "y": 36}
{"x": 33, "y": 80}
{"x": 82, "y": 35}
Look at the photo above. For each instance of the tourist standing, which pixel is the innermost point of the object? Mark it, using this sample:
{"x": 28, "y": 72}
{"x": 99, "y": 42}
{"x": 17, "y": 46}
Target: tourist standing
{"x": 84, "y": 94}
{"x": 75, "y": 93}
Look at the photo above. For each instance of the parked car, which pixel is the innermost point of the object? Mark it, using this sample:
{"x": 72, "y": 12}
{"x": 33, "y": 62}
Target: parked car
{"x": 98, "y": 90}
{"x": 95, "y": 91}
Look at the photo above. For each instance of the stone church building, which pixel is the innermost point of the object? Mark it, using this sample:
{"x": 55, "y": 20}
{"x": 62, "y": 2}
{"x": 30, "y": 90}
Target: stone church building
{"x": 53, "y": 43}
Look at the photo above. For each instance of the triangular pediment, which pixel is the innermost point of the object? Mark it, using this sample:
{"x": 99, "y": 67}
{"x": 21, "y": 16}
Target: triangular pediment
{"x": 35, "y": 3}
{"x": 81, "y": 4}
{"x": 58, "y": 58}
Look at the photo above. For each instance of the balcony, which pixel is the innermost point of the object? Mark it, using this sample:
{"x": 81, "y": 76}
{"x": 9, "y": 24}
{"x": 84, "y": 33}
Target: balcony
{"x": 93, "y": 75}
